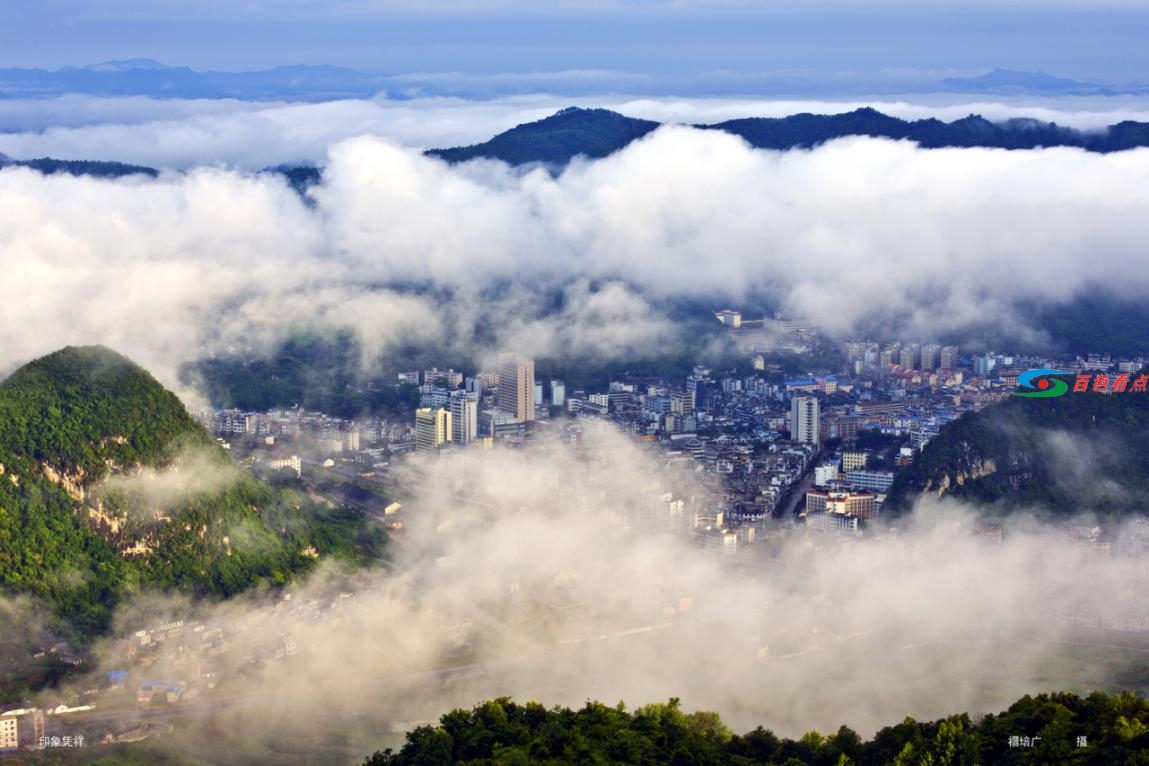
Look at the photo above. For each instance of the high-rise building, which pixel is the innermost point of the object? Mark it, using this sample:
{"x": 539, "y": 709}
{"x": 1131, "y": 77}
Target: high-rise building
{"x": 464, "y": 417}
{"x": 948, "y": 359}
{"x": 558, "y": 393}
{"x": 804, "y": 419}
{"x": 908, "y": 357}
{"x": 682, "y": 404}
{"x": 432, "y": 428}
{"x": 696, "y": 387}
{"x": 931, "y": 355}
{"x": 517, "y": 387}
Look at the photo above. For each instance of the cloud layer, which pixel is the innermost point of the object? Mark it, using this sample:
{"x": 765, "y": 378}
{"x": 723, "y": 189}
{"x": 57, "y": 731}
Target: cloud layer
{"x": 182, "y": 134}
{"x": 528, "y": 573}
{"x": 215, "y": 260}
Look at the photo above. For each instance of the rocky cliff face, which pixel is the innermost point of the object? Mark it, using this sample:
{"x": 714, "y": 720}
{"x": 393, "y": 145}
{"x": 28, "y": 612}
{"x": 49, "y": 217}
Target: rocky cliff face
{"x": 976, "y": 470}
{"x": 1079, "y": 453}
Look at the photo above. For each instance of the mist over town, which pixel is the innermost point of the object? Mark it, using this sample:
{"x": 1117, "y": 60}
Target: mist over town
{"x": 615, "y": 383}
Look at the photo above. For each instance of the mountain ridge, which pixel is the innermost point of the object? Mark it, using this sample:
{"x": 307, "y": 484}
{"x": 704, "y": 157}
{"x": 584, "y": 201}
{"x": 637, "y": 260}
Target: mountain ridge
{"x": 595, "y": 133}
{"x": 603, "y": 132}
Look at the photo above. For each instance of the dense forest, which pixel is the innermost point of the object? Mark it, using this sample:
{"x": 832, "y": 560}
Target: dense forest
{"x": 72, "y": 539}
{"x": 1094, "y": 321}
{"x": 1059, "y": 728}
{"x": 1057, "y": 456}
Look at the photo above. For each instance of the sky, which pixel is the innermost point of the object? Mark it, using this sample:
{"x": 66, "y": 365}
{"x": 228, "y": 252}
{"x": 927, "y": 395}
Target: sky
{"x": 1099, "y": 40}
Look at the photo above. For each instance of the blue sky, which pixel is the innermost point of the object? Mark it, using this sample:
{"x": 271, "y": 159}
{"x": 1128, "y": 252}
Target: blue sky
{"x": 1100, "y": 41}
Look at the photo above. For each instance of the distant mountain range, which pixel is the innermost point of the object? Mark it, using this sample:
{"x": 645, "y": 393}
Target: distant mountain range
{"x": 1006, "y": 81}
{"x": 557, "y": 139}
{"x": 147, "y": 77}
{"x": 94, "y": 168}
{"x": 554, "y": 141}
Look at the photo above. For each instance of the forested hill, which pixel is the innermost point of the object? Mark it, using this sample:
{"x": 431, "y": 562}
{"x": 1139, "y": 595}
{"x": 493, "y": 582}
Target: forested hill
{"x": 108, "y": 486}
{"x": 1078, "y": 452}
{"x": 95, "y": 168}
{"x": 806, "y": 130}
{"x": 557, "y": 139}
{"x": 1061, "y": 728}
{"x": 571, "y": 132}
{"x": 85, "y": 410}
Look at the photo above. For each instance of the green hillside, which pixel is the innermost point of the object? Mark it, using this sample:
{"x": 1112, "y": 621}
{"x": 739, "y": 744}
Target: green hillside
{"x": 108, "y": 487}
{"x": 1049, "y": 728}
{"x": 1079, "y": 452}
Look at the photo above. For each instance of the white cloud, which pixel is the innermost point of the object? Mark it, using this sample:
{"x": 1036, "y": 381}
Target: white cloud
{"x": 170, "y": 269}
{"x": 185, "y": 133}
{"x": 532, "y": 585}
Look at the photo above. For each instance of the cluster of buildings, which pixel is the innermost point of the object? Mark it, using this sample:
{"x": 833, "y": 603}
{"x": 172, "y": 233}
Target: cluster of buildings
{"x": 327, "y": 433}
{"x": 37, "y": 728}
{"x": 776, "y": 333}
{"x": 751, "y": 439}
{"x": 457, "y": 410}
{"x": 174, "y": 662}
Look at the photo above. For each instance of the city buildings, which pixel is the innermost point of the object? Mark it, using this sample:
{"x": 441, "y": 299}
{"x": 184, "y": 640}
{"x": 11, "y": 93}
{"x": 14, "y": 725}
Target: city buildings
{"x": 682, "y": 404}
{"x": 853, "y": 461}
{"x": 948, "y": 358}
{"x": 449, "y": 379}
{"x": 931, "y": 356}
{"x": 804, "y": 420}
{"x": 432, "y": 428}
{"x": 875, "y": 481}
{"x": 517, "y": 387}
{"x": 862, "y": 505}
{"x": 9, "y": 737}
{"x": 909, "y": 357}
{"x": 464, "y": 417}
{"x": 291, "y": 461}
{"x": 832, "y": 522}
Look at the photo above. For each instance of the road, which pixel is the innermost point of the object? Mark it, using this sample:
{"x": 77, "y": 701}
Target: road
{"x": 798, "y": 493}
